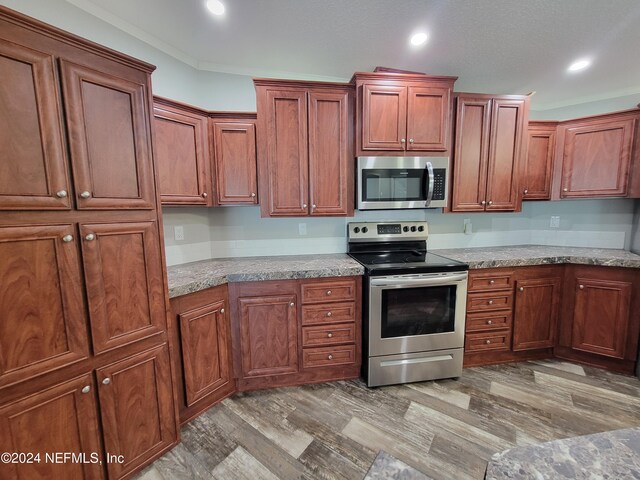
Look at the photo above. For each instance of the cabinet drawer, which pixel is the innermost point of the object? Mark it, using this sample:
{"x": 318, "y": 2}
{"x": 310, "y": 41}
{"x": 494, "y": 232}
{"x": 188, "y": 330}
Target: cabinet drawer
{"x": 489, "y": 321}
{"x": 482, "y": 342}
{"x": 328, "y": 335}
{"x": 479, "y": 302}
{"x": 329, "y": 313}
{"x": 328, "y": 291}
{"x": 325, "y": 356}
{"x": 479, "y": 282}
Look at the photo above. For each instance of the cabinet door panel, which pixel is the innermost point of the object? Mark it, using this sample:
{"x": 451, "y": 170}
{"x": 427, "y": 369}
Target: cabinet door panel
{"x": 384, "y": 117}
{"x": 124, "y": 282}
{"x": 109, "y": 139}
{"x": 182, "y": 157}
{"x": 601, "y": 316}
{"x": 137, "y": 410}
{"x": 538, "y": 170}
{"x": 330, "y": 160}
{"x": 59, "y": 419}
{"x": 537, "y": 305}
{"x": 269, "y": 335}
{"x": 428, "y": 118}
{"x": 236, "y": 169}
{"x": 471, "y": 154}
{"x": 205, "y": 350}
{"x": 33, "y": 166}
{"x": 287, "y": 154}
{"x": 507, "y": 131}
{"x": 42, "y": 322}
{"x": 597, "y": 158}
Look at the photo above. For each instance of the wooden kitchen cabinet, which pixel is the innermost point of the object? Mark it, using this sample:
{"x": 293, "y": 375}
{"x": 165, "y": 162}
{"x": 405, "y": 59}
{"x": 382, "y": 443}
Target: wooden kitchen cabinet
{"x": 400, "y": 113}
{"x": 137, "y": 410}
{"x": 601, "y": 316}
{"x": 234, "y": 147}
{"x": 490, "y": 142}
{"x": 182, "y": 153}
{"x": 202, "y": 332}
{"x": 305, "y": 148}
{"x": 538, "y": 169}
{"x": 597, "y": 155}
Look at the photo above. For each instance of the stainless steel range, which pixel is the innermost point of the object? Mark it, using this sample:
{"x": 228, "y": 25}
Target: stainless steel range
{"x": 414, "y": 304}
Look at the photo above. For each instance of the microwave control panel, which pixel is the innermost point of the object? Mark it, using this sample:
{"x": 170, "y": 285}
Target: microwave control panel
{"x": 439, "y": 183}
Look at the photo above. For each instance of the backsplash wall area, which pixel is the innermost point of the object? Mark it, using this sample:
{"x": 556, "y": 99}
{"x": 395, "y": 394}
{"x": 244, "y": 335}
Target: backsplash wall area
{"x": 240, "y": 231}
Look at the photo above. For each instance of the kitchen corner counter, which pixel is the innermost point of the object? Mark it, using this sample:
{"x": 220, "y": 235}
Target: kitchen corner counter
{"x": 195, "y": 276}
{"x": 525, "y": 255}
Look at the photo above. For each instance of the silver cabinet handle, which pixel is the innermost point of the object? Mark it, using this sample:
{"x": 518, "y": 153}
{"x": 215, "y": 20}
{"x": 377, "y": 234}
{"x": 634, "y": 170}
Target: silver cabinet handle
{"x": 521, "y": 289}
{"x": 483, "y": 202}
{"x": 329, "y": 314}
{"x": 328, "y": 292}
{"x": 491, "y": 282}
{"x": 490, "y": 202}
{"x": 90, "y": 237}
{"x": 61, "y": 194}
{"x": 330, "y": 357}
{"x": 581, "y": 287}
{"x": 489, "y": 322}
{"x": 106, "y": 381}
{"x": 403, "y": 140}
{"x": 490, "y": 302}
{"x": 411, "y": 140}
{"x": 222, "y": 310}
{"x": 253, "y": 194}
{"x": 204, "y": 194}
{"x": 304, "y": 205}
{"x": 488, "y": 342}
{"x": 86, "y": 389}
{"x": 313, "y": 205}
{"x": 329, "y": 335}
{"x": 526, "y": 190}
{"x": 67, "y": 238}
{"x": 85, "y": 194}
{"x": 291, "y": 304}
{"x": 565, "y": 189}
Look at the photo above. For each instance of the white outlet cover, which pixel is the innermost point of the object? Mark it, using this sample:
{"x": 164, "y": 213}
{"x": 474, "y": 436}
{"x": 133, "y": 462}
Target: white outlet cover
{"x": 178, "y": 232}
{"x": 554, "y": 222}
{"x": 302, "y": 228}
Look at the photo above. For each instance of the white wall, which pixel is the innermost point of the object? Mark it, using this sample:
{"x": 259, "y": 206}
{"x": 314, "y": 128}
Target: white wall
{"x": 218, "y": 232}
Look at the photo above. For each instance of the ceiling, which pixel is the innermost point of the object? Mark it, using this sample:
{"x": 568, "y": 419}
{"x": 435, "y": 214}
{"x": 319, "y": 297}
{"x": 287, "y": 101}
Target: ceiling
{"x": 493, "y": 46}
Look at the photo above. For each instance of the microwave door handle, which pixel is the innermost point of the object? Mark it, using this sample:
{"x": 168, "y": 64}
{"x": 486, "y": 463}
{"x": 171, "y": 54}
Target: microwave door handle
{"x": 429, "y": 169}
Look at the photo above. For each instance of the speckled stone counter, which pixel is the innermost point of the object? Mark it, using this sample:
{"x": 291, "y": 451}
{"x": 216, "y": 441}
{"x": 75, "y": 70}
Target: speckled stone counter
{"x": 614, "y": 455}
{"x": 196, "y": 276}
{"x": 519, "y": 256}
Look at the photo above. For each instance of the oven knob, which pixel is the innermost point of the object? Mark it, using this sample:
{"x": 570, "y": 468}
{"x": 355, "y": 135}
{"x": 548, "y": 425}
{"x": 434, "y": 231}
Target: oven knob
{"x": 365, "y": 229}
{"x": 356, "y": 230}
{"x": 421, "y": 228}
{"x": 413, "y": 229}
{"x": 405, "y": 229}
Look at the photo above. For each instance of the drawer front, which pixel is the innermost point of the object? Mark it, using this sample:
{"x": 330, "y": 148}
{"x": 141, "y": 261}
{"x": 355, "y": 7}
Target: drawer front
{"x": 327, "y": 356}
{"x": 482, "y": 342}
{"x": 479, "y": 302}
{"x": 489, "y": 321}
{"x": 328, "y": 335}
{"x": 331, "y": 291}
{"x": 482, "y": 282}
{"x": 329, "y": 313}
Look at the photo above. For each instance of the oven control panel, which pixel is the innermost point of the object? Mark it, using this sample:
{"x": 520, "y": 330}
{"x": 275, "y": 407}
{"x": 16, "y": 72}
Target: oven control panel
{"x": 387, "y": 231}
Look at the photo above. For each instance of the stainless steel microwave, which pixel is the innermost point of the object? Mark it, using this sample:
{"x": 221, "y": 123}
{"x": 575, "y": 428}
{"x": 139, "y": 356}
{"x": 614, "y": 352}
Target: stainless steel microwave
{"x": 402, "y": 182}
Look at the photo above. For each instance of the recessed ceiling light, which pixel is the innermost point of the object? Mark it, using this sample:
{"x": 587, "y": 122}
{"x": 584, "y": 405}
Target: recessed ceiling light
{"x": 419, "y": 39}
{"x": 579, "y": 65}
{"x": 215, "y": 6}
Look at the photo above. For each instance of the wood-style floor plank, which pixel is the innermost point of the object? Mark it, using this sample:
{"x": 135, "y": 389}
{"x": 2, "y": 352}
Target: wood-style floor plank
{"x": 446, "y": 429}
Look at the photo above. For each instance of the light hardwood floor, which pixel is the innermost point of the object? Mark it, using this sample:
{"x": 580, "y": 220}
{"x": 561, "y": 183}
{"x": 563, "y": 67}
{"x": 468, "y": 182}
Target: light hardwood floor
{"x": 447, "y": 429}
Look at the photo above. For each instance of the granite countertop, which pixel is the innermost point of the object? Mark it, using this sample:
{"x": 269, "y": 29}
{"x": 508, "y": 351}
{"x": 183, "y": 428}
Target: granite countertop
{"x": 523, "y": 255}
{"x": 196, "y": 276}
{"x": 614, "y": 455}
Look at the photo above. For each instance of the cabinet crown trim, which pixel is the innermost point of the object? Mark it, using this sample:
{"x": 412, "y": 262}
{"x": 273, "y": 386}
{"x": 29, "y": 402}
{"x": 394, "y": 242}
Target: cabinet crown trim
{"x": 299, "y": 84}
{"x": 402, "y": 77}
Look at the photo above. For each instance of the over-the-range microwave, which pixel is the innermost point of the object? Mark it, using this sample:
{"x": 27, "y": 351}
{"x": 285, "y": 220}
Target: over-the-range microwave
{"x": 402, "y": 182}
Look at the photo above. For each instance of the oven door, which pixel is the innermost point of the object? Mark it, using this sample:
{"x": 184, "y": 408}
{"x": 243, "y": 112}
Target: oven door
{"x": 417, "y": 313}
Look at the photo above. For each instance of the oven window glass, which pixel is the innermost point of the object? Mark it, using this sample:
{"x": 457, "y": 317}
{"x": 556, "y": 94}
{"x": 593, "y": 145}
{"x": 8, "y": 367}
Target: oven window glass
{"x": 418, "y": 311}
{"x": 393, "y": 184}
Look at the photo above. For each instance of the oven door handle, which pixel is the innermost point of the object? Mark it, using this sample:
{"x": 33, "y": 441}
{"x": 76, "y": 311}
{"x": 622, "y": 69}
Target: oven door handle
{"x": 388, "y": 282}
{"x": 429, "y": 169}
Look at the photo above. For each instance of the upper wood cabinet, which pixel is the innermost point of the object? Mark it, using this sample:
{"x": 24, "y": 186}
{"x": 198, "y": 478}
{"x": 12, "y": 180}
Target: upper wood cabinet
{"x": 490, "y": 142}
{"x": 538, "y": 169}
{"x": 402, "y": 113}
{"x": 597, "y": 154}
{"x": 234, "y": 147}
{"x": 182, "y": 154}
{"x": 305, "y": 148}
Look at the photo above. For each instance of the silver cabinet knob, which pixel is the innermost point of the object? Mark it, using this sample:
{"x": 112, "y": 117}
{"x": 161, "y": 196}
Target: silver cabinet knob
{"x": 330, "y": 357}
{"x": 328, "y": 292}
{"x": 491, "y": 282}
{"x": 490, "y": 202}
{"x": 581, "y": 287}
{"x": 483, "y": 202}
{"x": 204, "y": 194}
{"x": 411, "y": 140}
{"x": 222, "y": 310}
{"x": 106, "y": 381}
{"x": 329, "y": 335}
{"x": 67, "y": 238}
{"x": 489, "y": 322}
{"x": 61, "y": 194}
{"x": 403, "y": 140}
{"x": 313, "y": 205}
{"x": 90, "y": 237}
{"x": 253, "y": 194}
{"x": 490, "y": 302}
{"x": 291, "y": 304}
{"x": 86, "y": 389}
{"x": 565, "y": 189}
{"x": 488, "y": 342}
{"x": 526, "y": 190}
{"x": 85, "y": 194}
{"x": 304, "y": 205}
{"x": 329, "y": 314}
{"x": 521, "y": 289}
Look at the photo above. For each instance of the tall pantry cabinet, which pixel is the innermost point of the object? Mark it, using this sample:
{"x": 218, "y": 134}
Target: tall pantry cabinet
{"x": 84, "y": 361}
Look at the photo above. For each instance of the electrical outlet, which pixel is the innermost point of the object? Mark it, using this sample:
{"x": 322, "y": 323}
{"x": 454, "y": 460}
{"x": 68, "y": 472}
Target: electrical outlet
{"x": 178, "y": 232}
{"x": 302, "y": 228}
{"x": 467, "y": 226}
{"x": 555, "y": 221}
